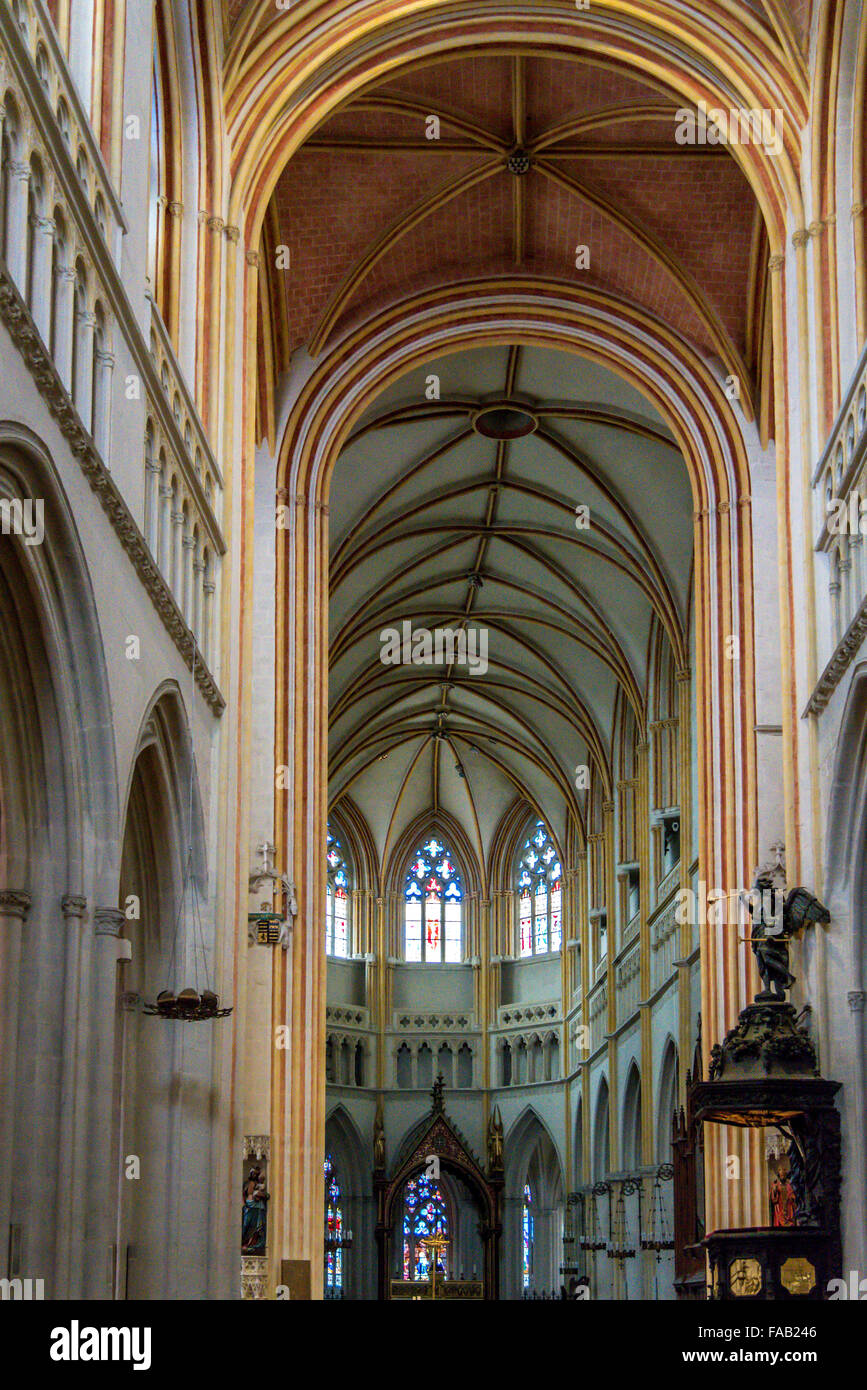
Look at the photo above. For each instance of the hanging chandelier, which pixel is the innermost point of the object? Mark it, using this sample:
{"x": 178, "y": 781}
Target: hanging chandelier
{"x": 657, "y": 1237}
{"x": 621, "y": 1246}
{"x": 590, "y": 1240}
{"x": 335, "y": 1237}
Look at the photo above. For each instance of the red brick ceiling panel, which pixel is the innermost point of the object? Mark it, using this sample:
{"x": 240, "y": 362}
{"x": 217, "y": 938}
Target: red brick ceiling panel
{"x": 480, "y": 88}
{"x": 699, "y": 209}
{"x": 557, "y": 223}
{"x": 472, "y": 230}
{"x": 331, "y": 206}
{"x": 558, "y": 89}
{"x": 472, "y": 237}
{"x": 379, "y": 125}
{"x": 644, "y": 131}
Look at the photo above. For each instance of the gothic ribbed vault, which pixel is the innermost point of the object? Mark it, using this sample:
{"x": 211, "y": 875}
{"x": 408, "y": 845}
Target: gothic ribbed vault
{"x": 433, "y": 524}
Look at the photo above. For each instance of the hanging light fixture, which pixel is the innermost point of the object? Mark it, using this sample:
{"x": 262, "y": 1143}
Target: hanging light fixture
{"x": 569, "y": 1238}
{"x": 590, "y": 1240}
{"x": 657, "y": 1236}
{"x": 189, "y": 1004}
{"x": 621, "y": 1246}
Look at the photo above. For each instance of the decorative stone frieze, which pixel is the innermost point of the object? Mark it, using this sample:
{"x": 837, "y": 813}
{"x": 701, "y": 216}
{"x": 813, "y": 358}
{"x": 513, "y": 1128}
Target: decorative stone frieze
{"x": 26, "y": 337}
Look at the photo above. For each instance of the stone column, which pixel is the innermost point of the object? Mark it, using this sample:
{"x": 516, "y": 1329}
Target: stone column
{"x": 188, "y": 579}
{"x": 85, "y": 327}
{"x": 858, "y": 1244}
{"x": 177, "y": 563}
{"x": 40, "y": 276}
{"x": 152, "y": 505}
{"x": 14, "y": 906}
{"x": 108, "y": 950}
{"x": 72, "y": 1149}
{"x": 611, "y": 1020}
{"x": 64, "y": 322}
{"x": 104, "y": 369}
{"x": 208, "y": 589}
{"x": 164, "y": 558}
{"x": 16, "y": 223}
{"x": 198, "y": 599}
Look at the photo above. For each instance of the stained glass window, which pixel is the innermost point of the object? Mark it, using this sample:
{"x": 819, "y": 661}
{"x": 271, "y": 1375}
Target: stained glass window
{"x": 527, "y": 1238}
{"x": 336, "y": 900}
{"x": 333, "y": 1231}
{"x": 433, "y": 906}
{"x": 540, "y": 895}
{"x": 424, "y": 1214}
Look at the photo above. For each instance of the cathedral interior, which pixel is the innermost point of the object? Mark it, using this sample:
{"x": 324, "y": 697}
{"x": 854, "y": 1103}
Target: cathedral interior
{"x": 433, "y": 702}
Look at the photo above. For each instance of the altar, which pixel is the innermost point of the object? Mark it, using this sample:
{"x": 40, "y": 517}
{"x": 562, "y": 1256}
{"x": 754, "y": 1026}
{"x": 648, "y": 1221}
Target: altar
{"x": 452, "y": 1289}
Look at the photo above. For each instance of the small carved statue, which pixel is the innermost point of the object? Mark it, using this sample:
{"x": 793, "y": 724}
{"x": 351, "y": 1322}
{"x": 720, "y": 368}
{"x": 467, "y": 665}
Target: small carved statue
{"x": 782, "y": 1202}
{"x": 254, "y": 1220}
{"x": 438, "y": 1095}
{"x": 379, "y": 1138}
{"x": 776, "y": 919}
{"x": 495, "y": 1141}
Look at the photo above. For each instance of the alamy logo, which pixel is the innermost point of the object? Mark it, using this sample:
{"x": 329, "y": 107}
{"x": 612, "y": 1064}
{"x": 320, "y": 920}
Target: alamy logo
{"x": 847, "y": 516}
{"x": 23, "y": 518}
{"x": 739, "y": 126}
{"x": 444, "y": 646}
{"x": 26, "y": 1289}
{"x": 76, "y": 1343}
{"x": 854, "y": 1287}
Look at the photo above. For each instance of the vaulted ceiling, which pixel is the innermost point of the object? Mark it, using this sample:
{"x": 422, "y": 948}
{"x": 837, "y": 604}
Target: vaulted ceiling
{"x": 533, "y": 158}
{"x": 499, "y": 164}
{"x": 434, "y": 523}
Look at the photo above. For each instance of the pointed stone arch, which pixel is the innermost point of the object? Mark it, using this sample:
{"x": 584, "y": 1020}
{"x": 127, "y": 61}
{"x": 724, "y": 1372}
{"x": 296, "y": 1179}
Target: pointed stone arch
{"x": 532, "y": 1158}
{"x": 692, "y": 400}
{"x": 58, "y": 865}
{"x": 436, "y": 1134}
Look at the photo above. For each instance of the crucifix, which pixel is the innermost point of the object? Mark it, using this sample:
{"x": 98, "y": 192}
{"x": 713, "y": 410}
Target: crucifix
{"x": 267, "y": 852}
{"x": 434, "y": 1244}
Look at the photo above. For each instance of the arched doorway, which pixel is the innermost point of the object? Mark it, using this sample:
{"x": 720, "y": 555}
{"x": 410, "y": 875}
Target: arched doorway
{"x": 162, "y": 1069}
{"x": 437, "y": 1189}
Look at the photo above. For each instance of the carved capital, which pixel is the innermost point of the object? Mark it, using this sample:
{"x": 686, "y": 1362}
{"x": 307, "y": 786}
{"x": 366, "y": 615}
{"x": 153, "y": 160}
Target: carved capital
{"x": 857, "y": 998}
{"x": 73, "y": 905}
{"x": 776, "y": 263}
{"x": 232, "y": 234}
{"x": 800, "y": 237}
{"x": 14, "y": 903}
{"x": 108, "y": 921}
{"x": 252, "y": 258}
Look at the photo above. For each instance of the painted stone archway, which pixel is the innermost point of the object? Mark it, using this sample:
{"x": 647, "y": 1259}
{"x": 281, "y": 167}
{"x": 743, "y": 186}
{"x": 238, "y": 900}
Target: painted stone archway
{"x": 436, "y": 1135}
{"x": 692, "y": 400}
